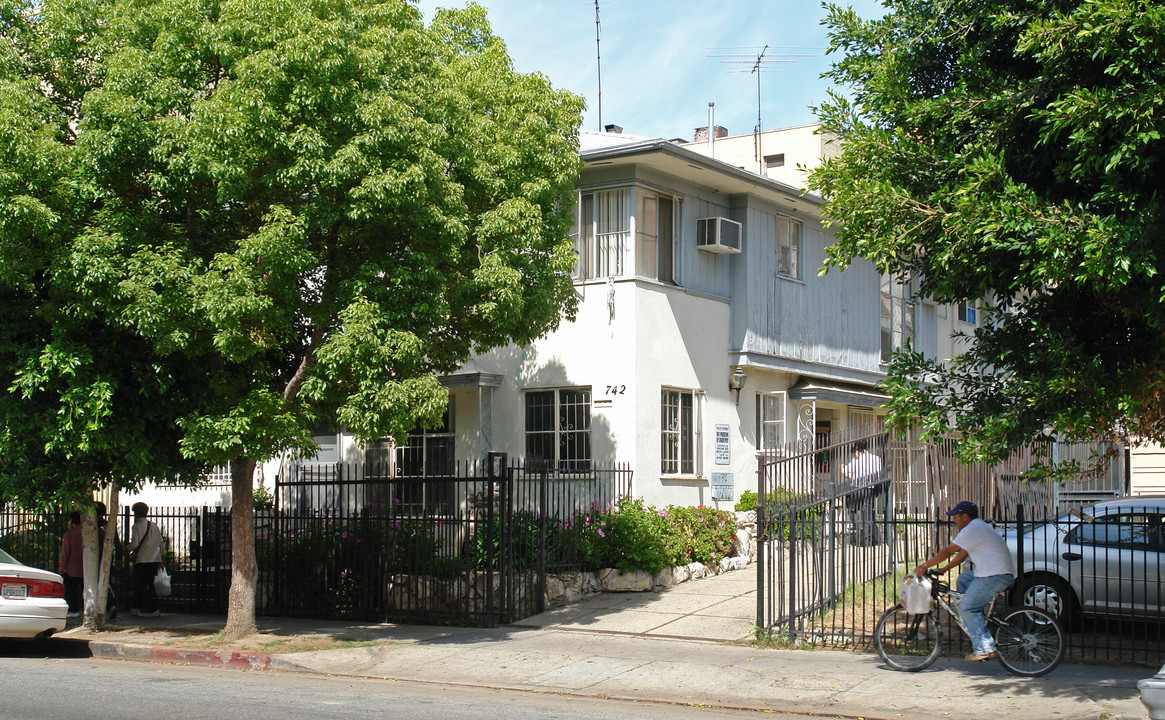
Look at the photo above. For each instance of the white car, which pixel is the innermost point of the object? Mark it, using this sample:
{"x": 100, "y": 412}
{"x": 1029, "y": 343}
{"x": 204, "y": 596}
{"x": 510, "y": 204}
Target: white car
{"x": 32, "y": 601}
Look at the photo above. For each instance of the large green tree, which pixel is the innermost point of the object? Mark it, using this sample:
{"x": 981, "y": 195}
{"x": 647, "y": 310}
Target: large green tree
{"x": 1010, "y": 152}
{"x": 275, "y": 214}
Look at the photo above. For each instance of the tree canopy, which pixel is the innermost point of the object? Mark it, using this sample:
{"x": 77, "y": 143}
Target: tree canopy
{"x": 228, "y": 222}
{"x": 1009, "y": 153}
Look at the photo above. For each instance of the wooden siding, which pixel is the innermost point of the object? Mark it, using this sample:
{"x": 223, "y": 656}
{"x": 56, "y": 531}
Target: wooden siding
{"x": 832, "y": 320}
{"x": 1147, "y": 465}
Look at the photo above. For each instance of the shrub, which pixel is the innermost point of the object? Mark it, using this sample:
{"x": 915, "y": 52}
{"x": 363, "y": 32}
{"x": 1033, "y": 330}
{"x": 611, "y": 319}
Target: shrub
{"x": 787, "y": 513}
{"x": 631, "y": 535}
{"x": 701, "y": 534}
{"x": 525, "y": 529}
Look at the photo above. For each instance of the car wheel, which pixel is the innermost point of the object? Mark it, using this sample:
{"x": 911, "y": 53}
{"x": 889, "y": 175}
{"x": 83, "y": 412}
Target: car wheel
{"x": 1050, "y": 594}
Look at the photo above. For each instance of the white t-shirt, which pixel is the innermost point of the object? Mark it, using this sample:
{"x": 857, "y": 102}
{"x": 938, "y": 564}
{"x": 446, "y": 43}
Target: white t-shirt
{"x": 863, "y": 469}
{"x": 989, "y": 553}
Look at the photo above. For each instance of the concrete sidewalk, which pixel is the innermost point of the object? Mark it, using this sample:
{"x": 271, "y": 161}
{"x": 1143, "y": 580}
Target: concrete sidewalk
{"x": 682, "y": 645}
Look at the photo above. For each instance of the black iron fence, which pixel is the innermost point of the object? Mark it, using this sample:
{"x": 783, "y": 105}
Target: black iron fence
{"x": 355, "y": 541}
{"x": 834, "y": 550}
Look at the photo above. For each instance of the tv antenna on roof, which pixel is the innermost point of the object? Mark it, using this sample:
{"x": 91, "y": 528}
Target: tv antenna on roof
{"x": 598, "y": 63}
{"x": 757, "y": 62}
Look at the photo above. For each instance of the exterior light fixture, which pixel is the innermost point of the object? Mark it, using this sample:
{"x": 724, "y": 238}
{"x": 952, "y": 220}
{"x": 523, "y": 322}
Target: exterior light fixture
{"x": 736, "y": 382}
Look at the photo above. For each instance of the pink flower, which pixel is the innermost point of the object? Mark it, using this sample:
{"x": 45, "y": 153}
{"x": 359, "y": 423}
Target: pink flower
{"x": 602, "y": 534}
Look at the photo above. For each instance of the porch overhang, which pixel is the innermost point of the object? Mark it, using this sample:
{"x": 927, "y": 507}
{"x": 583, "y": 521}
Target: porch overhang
{"x": 470, "y": 379}
{"x": 822, "y": 390}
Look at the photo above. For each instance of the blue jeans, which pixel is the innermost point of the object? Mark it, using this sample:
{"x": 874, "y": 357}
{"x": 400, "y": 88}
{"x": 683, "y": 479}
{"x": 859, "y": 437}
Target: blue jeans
{"x": 977, "y": 592}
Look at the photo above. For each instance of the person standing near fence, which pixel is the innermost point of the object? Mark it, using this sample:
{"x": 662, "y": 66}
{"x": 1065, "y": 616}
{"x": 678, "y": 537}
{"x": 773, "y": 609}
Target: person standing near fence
{"x": 72, "y": 566}
{"x": 864, "y": 472}
{"x": 145, "y": 550}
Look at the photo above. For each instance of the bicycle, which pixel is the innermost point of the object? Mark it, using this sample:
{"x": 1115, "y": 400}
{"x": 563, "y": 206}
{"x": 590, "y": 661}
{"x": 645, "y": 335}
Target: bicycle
{"x": 1029, "y": 641}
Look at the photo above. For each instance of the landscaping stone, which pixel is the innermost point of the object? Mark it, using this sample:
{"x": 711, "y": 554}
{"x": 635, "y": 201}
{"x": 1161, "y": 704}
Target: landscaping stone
{"x": 618, "y": 581}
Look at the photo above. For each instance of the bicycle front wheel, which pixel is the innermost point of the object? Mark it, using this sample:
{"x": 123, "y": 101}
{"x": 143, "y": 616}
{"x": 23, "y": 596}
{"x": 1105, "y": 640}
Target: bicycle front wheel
{"x": 1030, "y": 642}
{"x": 906, "y": 642}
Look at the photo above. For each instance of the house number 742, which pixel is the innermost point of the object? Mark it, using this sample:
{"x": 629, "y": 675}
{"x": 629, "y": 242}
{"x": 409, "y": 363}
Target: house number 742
{"x": 616, "y": 389}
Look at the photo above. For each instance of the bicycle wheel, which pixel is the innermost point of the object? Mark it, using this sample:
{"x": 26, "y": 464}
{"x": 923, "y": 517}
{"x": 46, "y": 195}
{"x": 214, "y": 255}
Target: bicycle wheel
{"x": 906, "y": 642}
{"x": 1030, "y": 642}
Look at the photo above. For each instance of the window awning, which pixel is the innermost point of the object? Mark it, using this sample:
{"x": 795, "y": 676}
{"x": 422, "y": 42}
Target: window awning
{"x": 811, "y": 388}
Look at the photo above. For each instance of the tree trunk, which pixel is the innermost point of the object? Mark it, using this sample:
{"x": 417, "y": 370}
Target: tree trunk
{"x": 93, "y": 614}
{"x": 99, "y": 559}
{"x": 244, "y": 572}
{"x": 108, "y": 549}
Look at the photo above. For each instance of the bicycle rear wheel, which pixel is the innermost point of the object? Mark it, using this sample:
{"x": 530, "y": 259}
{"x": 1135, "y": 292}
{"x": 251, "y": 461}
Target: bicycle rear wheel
{"x": 1030, "y": 642}
{"x": 906, "y": 642}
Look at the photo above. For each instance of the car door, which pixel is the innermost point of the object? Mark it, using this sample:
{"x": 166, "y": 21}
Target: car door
{"x": 1118, "y": 555}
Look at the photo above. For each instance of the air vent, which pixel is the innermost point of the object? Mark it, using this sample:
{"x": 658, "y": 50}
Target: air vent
{"x": 718, "y": 235}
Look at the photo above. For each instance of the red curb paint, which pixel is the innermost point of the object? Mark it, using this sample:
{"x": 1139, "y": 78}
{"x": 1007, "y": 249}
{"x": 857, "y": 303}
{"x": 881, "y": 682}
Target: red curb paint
{"x": 255, "y": 661}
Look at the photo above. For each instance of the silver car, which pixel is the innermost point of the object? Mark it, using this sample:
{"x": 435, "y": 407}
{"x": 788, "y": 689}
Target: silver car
{"x": 1103, "y": 560}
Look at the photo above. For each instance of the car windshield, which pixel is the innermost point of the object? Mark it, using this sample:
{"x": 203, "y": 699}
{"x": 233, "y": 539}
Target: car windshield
{"x": 5, "y": 557}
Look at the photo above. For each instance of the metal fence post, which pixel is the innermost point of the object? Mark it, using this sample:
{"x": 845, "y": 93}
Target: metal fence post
{"x": 1019, "y": 554}
{"x": 543, "y": 512}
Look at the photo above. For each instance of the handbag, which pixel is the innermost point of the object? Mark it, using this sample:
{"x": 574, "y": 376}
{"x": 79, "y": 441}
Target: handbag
{"x": 162, "y": 582}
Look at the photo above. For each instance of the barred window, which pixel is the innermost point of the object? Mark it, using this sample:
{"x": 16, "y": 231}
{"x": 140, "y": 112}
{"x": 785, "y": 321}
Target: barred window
{"x": 427, "y": 453}
{"x": 558, "y": 428}
{"x": 678, "y": 432}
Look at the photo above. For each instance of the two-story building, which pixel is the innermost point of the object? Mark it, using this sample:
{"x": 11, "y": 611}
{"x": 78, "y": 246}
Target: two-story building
{"x": 704, "y": 332}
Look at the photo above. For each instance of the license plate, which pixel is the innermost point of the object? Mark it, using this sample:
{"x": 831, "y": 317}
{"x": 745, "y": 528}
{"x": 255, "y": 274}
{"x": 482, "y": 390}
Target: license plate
{"x": 14, "y": 590}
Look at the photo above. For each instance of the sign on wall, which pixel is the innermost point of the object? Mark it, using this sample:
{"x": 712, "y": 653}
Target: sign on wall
{"x": 723, "y": 443}
{"x": 723, "y": 486}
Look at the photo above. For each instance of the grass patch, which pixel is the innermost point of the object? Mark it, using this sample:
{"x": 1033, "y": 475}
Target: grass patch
{"x": 770, "y": 640}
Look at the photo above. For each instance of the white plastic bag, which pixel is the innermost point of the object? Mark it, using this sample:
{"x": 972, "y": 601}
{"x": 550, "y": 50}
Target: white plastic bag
{"x": 915, "y": 594}
{"x": 162, "y": 582}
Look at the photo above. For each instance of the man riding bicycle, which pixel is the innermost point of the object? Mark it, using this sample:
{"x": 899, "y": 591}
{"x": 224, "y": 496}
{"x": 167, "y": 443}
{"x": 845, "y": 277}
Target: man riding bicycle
{"x": 991, "y": 572}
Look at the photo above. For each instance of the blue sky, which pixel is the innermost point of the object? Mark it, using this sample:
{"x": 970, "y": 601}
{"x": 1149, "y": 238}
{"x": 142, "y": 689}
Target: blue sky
{"x": 657, "y": 73}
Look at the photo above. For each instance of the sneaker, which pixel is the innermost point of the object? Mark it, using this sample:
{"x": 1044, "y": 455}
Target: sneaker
{"x": 111, "y": 614}
{"x": 73, "y": 614}
{"x": 155, "y": 613}
{"x": 980, "y": 657}
{"x": 135, "y": 612}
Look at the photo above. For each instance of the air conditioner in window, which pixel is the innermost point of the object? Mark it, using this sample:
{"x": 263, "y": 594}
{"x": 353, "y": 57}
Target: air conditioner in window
{"x": 718, "y": 235}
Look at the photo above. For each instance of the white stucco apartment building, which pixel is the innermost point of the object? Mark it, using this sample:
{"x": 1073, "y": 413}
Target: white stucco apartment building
{"x": 704, "y": 332}
{"x": 695, "y": 277}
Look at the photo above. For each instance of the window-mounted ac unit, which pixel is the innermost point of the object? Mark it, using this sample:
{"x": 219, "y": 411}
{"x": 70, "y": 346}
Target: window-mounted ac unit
{"x": 718, "y": 235}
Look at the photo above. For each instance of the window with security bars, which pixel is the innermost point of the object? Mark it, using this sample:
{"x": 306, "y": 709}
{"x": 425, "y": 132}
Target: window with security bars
{"x": 427, "y": 453}
{"x": 678, "y": 432}
{"x": 558, "y": 428}
{"x": 602, "y": 233}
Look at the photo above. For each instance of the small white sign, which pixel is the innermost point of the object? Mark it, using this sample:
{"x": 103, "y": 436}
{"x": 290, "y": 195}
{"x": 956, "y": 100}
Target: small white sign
{"x": 723, "y": 444}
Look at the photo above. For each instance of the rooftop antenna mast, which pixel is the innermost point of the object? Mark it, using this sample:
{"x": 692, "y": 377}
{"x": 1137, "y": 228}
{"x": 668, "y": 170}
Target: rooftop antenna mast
{"x": 757, "y": 62}
{"x": 599, "y": 65}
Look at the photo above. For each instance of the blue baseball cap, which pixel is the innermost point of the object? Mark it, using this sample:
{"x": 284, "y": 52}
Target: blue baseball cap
{"x": 966, "y": 506}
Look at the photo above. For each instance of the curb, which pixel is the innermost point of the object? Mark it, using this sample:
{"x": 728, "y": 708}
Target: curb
{"x": 217, "y": 658}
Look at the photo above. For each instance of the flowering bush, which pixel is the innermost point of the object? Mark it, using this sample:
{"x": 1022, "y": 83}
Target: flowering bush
{"x": 703, "y": 534}
{"x": 631, "y": 535}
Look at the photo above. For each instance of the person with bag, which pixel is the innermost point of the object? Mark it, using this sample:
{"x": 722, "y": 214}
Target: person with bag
{"x": 992, "y": 571}
{"x": 145, "y": 550}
